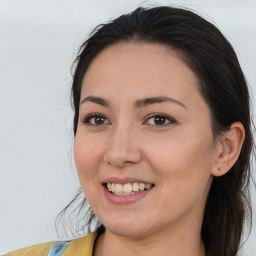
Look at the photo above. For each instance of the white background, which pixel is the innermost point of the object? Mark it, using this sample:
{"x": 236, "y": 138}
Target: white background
{"x": 38, "y": 42}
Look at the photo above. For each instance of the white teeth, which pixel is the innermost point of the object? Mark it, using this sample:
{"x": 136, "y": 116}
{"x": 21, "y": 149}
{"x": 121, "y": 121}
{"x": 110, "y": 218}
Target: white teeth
{"x": 128, "y": 188}
{"x": 135, "y": 187}
{"x": 148, "y": 186}
{"x": 142, "y": 186}
{"x": 109, "y": 186}
{"x": 119, "y": 188}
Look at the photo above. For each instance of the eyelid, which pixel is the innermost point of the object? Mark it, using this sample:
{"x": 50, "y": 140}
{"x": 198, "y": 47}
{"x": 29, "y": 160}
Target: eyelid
{"x": 170, "y": 119}
{"x": 87, "y": 118}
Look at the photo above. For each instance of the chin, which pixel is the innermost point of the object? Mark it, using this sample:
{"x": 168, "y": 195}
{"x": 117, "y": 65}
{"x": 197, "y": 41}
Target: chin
{"x": 125, "y": 231}
{"x": 128, "y": 228}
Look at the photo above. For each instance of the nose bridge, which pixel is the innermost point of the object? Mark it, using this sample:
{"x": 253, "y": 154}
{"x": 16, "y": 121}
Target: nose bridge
{"x": 121, "y": 135}
{"x": 122, "y": 148}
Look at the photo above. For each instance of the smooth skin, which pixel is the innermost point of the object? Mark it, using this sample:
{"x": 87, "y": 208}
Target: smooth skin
{"x": 169, "y": 144}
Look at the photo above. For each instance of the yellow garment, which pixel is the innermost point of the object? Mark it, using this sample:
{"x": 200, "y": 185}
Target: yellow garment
{"x": 81, "y": 246}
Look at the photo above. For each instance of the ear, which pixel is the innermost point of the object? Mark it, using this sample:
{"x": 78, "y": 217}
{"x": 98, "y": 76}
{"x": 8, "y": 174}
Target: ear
{"x": 228, "y": 149}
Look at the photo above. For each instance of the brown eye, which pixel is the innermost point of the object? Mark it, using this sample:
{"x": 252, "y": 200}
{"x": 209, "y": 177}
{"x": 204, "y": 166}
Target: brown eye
{"x": 160, "y": 120}
{"x": 99, "y": 120}
{"x": 96, "y": 120}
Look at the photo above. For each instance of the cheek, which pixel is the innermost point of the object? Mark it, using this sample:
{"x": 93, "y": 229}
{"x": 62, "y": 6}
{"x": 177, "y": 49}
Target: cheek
{"x": 87, "y": 159}
{"x": 183, "y": 163}
{"x": 177, "y": 150}
{"x": 87, "y": 156}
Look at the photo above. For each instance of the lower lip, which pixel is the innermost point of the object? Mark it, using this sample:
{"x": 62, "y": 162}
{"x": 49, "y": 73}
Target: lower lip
{"x": 125, "y": 199}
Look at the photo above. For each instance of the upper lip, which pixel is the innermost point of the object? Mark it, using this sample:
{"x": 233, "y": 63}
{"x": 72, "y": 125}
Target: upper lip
{"x": 124, "y": 180}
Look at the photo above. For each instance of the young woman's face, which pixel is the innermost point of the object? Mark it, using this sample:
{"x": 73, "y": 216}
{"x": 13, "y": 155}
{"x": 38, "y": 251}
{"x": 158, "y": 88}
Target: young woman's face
{"x": 144, "y": 131}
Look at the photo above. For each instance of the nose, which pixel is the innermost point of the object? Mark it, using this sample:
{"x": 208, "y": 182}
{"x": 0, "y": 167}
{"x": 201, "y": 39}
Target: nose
{"x": 122, "y": 148}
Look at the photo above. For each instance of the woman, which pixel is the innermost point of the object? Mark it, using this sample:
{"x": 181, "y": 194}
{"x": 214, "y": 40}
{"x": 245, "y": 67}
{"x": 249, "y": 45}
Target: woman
{"x": 162, "y": 138}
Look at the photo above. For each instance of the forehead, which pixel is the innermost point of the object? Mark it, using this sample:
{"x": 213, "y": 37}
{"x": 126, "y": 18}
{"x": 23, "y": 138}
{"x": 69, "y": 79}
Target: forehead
{"x": 139, "y": 69}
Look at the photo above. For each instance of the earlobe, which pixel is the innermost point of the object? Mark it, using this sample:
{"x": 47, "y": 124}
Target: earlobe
{"x": 229, "y": 148}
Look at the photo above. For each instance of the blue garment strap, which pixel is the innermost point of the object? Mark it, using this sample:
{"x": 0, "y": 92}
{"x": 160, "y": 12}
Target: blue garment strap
{"x": 58, "y": 249}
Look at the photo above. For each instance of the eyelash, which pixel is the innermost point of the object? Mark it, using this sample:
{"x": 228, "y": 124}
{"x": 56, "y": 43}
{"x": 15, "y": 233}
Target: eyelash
{"x": 171, "y": 120}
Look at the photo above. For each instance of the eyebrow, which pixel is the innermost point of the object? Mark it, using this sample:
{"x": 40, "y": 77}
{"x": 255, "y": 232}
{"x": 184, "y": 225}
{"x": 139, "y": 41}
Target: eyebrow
{"x": 138, "y": 104}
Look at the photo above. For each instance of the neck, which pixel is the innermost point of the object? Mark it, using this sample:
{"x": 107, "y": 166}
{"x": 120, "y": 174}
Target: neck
{"x": 160, "y": 243}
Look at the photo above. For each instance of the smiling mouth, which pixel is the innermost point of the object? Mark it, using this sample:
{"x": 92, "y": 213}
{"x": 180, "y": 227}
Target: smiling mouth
{"x": 128, "y": 188}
